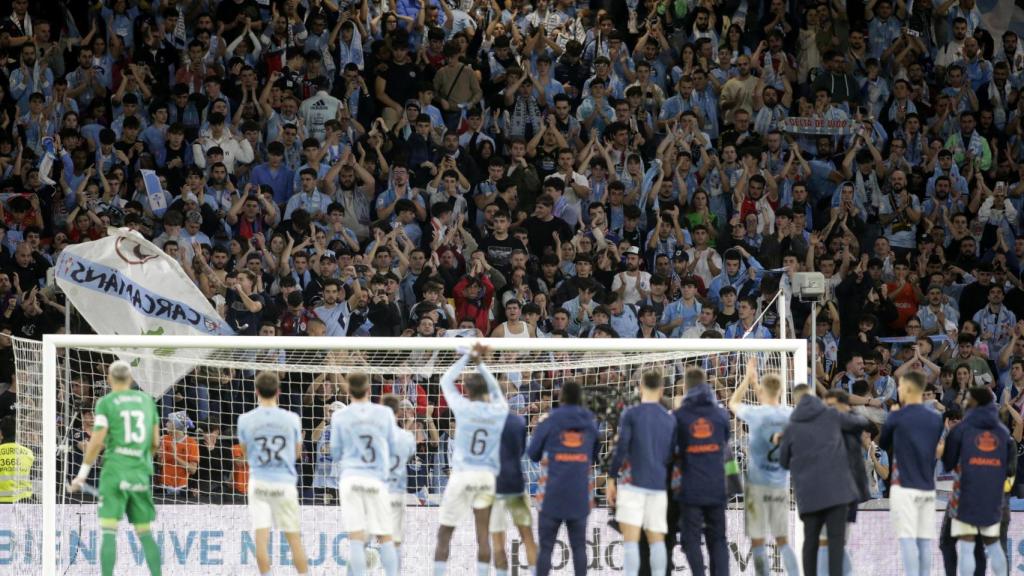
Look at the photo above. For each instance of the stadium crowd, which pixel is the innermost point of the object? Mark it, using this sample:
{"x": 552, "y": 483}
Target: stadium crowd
{"x": 556, "y": 169}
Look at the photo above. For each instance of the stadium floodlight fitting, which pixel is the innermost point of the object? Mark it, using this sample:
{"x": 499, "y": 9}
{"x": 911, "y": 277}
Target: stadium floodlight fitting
{"x": 810, "y": 286}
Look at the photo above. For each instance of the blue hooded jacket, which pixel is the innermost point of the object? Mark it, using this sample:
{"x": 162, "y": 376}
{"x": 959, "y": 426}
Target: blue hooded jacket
{"x": 740, "y": 281}
{"x": 702, "y": 446}
{"x": 566, "y": 446}
{"x": 982, "y": 454}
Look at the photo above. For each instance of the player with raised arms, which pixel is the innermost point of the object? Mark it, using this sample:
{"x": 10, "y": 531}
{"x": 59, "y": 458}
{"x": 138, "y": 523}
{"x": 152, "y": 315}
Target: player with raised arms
{"x": 766, "y": 502}
{"x": 913, "y": 435}
{"x": 128, "y": 427}
{"x": 398, "y": 475}
{"x": 637, "y": 475}
{"x": 362, "y": 440}
{"x": 479, "y": 421}
{"x": 271, "y": 442}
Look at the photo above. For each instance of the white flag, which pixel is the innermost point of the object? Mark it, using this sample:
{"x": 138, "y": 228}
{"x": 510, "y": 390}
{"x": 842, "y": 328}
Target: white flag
{"x": 123, "y": 284}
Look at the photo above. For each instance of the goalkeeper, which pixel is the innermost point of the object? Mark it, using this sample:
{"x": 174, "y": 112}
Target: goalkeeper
{"x": 128, "y": 427}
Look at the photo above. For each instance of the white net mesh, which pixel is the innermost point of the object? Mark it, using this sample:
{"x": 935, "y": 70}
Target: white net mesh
{"x": 201, "y": 480}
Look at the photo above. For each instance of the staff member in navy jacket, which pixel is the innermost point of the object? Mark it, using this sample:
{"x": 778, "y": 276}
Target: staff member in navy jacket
{"x": 510, "y": 498}
{"x": 566, "y": 445}
{"x": 814, "y": 452}
{"x": 980, "y": 451}
{"x": 702, "y": 442}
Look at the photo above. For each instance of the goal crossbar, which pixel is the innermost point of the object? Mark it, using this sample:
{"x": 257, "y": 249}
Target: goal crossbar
{"x": 52, "y": 343}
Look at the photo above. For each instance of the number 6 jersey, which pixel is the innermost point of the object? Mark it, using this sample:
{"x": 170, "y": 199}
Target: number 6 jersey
{"x": 478, "y": 424}
{"x": 270, "y": 436}
{"x": 362, "y": 439}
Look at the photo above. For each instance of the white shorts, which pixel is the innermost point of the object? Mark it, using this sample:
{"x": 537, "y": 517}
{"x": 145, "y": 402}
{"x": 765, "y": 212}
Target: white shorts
{"x": 646, "y": 509}
{"x": 365, "y": 506}
{"x": 913, "y": 512}
{"x": 273, "y": 505}
{"x": 958, "y": 529}
{"x": 397, "y": 502}
{"x": 467, "y": 490}
{"x": 766, "y": 511}
{"x": 516, "y": 506}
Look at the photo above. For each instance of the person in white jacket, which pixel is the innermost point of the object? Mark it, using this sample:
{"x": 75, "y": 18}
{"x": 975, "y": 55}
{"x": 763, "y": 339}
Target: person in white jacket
{"x": 235, "y": 150}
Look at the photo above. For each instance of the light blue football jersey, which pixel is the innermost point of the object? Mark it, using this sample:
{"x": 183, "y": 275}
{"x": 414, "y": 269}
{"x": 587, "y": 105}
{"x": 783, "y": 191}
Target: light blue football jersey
{"x": 398, "y": 469}
{"x": 362, "y": 437}
{"x": 270, "y": 437}
{"x": 763, "y": 422}
{"x": 478, "y": 424}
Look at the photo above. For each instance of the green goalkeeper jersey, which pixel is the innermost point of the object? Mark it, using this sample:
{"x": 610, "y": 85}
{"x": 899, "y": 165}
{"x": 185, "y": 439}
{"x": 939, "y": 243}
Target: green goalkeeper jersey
{"x": 129, "y": 417}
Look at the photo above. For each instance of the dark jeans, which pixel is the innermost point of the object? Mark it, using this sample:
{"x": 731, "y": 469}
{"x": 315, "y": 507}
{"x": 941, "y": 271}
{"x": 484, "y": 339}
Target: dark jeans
{"x": 708, "y": 521}
{"x": 834, "y": 521}
{"x": 547, "y": 532}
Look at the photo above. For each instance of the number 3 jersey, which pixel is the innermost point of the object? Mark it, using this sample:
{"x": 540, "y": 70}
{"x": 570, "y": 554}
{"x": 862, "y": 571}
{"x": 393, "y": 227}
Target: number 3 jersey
{"x": 362, "y": 440}
{"x": 130, "y": 417}
{"x": 270, "y": 436}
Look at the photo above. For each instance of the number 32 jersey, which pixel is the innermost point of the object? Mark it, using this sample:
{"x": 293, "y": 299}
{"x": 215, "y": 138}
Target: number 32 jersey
{"x": 270, "y": 436}
{"x": 362, "y": 439}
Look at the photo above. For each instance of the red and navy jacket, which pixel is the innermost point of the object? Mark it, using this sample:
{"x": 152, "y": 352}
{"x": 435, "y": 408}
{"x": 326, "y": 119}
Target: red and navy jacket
{"x": 982, "y": 455}
{"x": 702, "y": 446}
{"x": 566, "y": 446}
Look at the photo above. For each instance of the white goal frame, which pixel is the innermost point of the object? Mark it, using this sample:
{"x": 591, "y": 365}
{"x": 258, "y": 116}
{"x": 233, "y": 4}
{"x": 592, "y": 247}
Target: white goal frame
{"x": 51, "y": 343}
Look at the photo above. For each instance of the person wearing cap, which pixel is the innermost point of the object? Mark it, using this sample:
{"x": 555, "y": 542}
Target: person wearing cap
{"x": 236, "y": 150}
{"x": 632, "y": 284}
{"x": 178, "y": 457}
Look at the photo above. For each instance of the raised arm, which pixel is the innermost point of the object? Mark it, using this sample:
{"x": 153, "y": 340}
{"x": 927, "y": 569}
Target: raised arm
{"x": 451, "y": 394}
{"x": 748, "y": 379}
{"x": 497, "y": 396}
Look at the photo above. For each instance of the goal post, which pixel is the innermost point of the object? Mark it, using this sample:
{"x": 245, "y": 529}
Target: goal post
{"x": 417, "y": 359}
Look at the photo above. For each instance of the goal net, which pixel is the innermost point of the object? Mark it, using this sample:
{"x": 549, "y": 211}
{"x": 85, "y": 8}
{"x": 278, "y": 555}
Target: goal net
{"x": 202, "y": 385}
